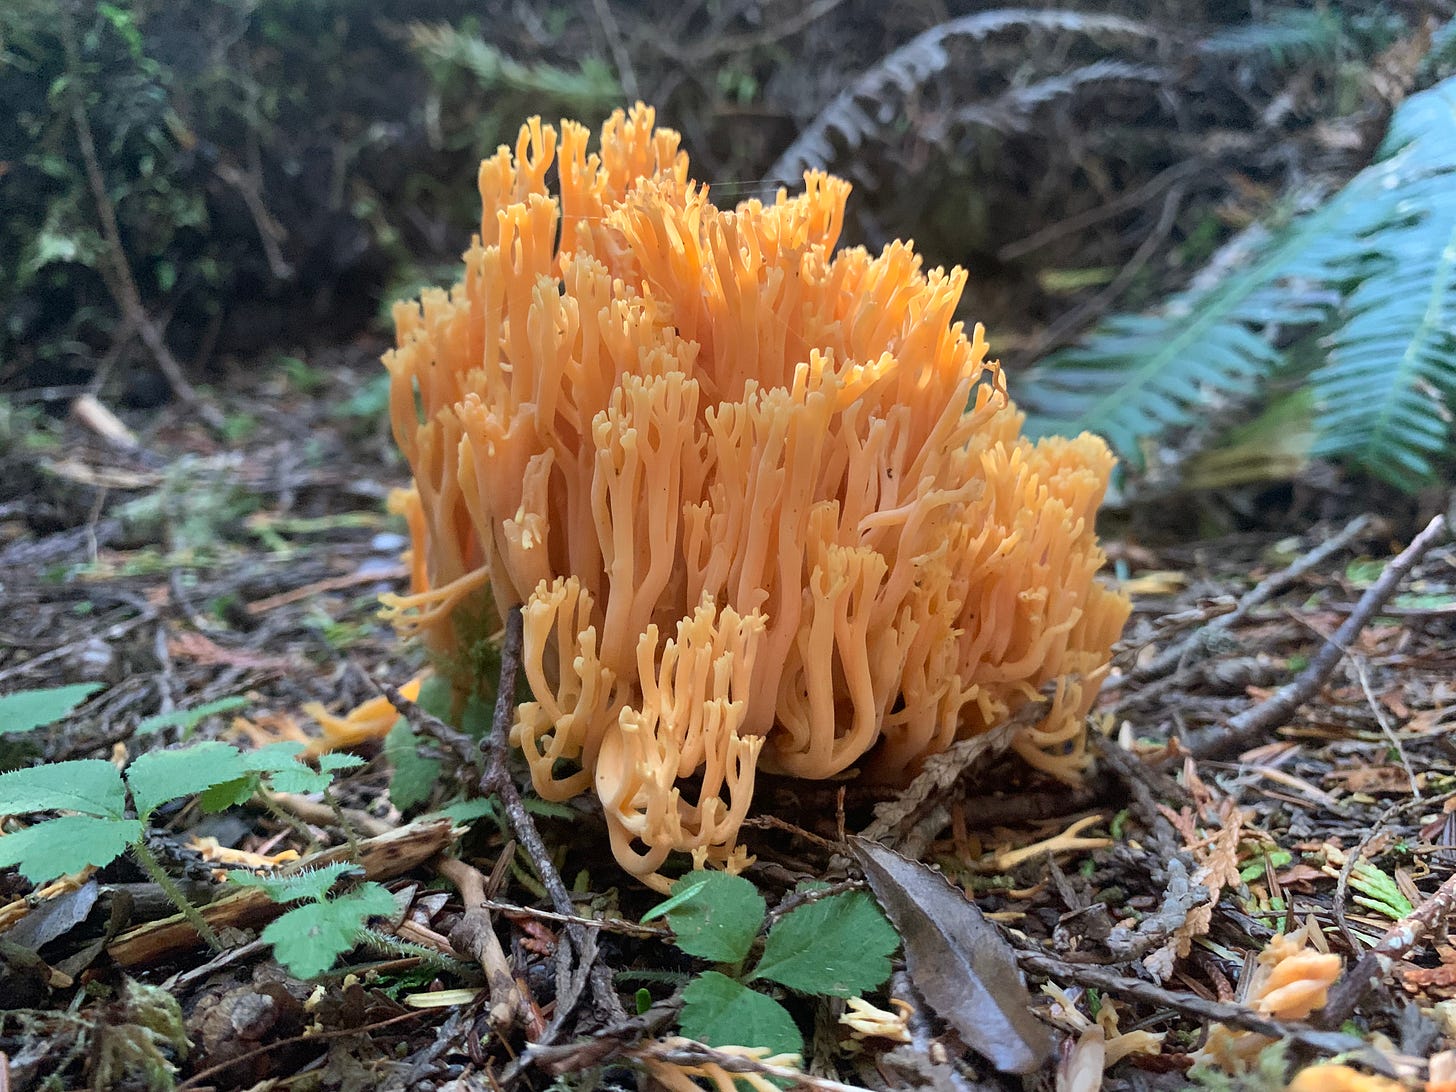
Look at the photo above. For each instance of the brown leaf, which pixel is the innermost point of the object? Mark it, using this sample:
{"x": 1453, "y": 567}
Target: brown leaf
{"x": 1373, "y": 779}
{"x": 958, "y": 960}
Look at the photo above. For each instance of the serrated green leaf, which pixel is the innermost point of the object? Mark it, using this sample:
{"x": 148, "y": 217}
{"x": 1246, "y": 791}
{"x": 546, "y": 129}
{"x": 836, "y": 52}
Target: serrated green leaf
{"x": 840, "y": 946}
{"x": 312, "y": 883}
{"x": 284, "y": 771}
{"x": 719, "y": 917}
{"x": 89, "y": 785}
{"x": 334, "y": 761}
{"x": 187, "y": 719}
{"x": 160, "y": 776}
{"x": 720, "y": 1011}
{"x": 468, "y": 811}
{"x": 415, "y": 775}
{"x": 27, "y": 710}
{"x": 59, "y": 847}
{"x": 308, "y": 939}
{"x": 229, "y": 794}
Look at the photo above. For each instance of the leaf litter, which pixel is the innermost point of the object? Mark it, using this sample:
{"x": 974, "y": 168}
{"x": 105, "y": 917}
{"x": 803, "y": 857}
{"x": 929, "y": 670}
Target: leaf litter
{"x": 1040, "y": 923}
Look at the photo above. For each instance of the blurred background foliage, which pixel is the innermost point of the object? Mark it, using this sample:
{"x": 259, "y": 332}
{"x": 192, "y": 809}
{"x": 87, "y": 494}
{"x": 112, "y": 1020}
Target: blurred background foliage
{"x": 1191, "y": 225}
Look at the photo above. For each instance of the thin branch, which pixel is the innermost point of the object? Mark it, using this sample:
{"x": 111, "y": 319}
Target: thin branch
{"x": 1124, "y": 987}
{"x": 121, "y": 282}
{"x": 1250, "y": 726}
{"x": 620, "y": 54}
{"x": 497, "y": 781}
{"x": 1196, "y": 644}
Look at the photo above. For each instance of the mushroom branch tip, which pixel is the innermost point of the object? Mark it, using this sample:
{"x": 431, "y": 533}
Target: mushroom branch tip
{"x": 765, "y": 503}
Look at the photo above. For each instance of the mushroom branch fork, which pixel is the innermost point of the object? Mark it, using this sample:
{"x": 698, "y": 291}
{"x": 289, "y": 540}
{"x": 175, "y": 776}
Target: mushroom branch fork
{"x": 764, "y": 504}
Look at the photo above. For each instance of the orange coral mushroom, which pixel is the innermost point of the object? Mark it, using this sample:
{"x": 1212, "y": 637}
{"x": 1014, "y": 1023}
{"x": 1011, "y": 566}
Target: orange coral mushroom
{"x": 640, "y": 414}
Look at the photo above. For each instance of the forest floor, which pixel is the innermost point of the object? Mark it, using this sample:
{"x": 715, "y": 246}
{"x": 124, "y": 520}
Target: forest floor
{"x": 242, "y": 575}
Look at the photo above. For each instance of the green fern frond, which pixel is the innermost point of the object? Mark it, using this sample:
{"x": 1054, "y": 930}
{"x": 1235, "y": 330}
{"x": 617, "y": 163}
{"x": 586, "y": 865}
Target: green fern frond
{"x": 1141, "y": 375}
{"x": 1385, "y": 393}
{"x": 1379, "y": 259}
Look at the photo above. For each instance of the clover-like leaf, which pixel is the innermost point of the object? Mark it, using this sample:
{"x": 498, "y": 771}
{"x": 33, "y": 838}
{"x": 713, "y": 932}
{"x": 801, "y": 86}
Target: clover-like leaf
{"x": 61, "y": 846}
{"x": 91, "y": 786}
{"x": 720, "y": 1011}
{"x": 840, "y": 946}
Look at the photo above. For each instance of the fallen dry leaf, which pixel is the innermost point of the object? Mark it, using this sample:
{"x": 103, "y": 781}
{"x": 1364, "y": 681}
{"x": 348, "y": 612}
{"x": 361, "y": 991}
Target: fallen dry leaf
{"x": 959, "y": 961}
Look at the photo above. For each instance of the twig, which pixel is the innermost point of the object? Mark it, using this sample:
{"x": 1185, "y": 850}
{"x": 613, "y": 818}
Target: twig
{"x": 602, "y": 1047}
{"x": 1385, "y": 727}
{"x": 121, "y": 283}
{"x": 1246, "y": 729}
{"x": 1403, "y": 936}
{"x": 475, "y": 936}
{"x": 1088, "y": 311}
{"x": 1224, "y": 1012}
{"x": 497, "y": 781}
{"x": 452, "y": 739}
{"x": 685, "y": 1052}
{"x": 620, "y": 55}
{"x": 1082, "y": 221}
{"x": 612, "y": 925}
{"x": 1197, "y": 644}
{"x": 199, "y": 1079}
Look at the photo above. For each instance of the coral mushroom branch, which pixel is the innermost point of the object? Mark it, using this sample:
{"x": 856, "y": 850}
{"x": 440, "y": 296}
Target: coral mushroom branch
{"x": 763, "y": 504}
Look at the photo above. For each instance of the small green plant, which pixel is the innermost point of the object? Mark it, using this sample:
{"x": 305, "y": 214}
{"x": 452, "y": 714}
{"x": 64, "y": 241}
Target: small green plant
{"x": 1378, "y": 892}
{"x": 836, "y": 946}
{"x": 310, "y": 937}
{"x": 94, "y": 794}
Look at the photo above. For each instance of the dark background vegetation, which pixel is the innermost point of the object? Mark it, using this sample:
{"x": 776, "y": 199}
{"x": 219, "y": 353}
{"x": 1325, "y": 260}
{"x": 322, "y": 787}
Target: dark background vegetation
{"x": 278, "y": 170}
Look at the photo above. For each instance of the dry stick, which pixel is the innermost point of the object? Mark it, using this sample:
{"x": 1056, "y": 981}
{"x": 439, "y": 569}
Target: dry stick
{"x": 121, "y": 283}
{"x": 497, "y": 780}
{"x": 1248, "y": 727}
{"x": 475, "y": 935}
{"x": 1198, "y": 642}
{"x": 1402, "y": 937}
{"x": 1224, "y": 1012}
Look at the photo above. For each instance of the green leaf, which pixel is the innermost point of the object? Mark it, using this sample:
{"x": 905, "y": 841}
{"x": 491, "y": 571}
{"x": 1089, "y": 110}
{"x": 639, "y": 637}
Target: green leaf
{"x": 88, "y": 785}
{"x": 334, "y": 761}
{"x": 840, "y": 946}
{"x": 59, "y": 847}
{"x": 719, "y": 1011}
{"x": 30, "y": 709}
{"x": 188, "y": 719}
{"x": 462, "y": 812}
{"x": 229, "y": 794}
{"x": 307, "y": 940}
{"x": 312, "y": 884}
{"x": 718, "y": 918}
{"x": 415, "y": 775}
{"x": 285, "y": 771}
{"x": 160, "y": 776}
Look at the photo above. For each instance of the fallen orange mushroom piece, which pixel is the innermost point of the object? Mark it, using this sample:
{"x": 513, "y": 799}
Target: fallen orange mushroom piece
{"x": 371, "y": 720}
{"x": 764, "y": 504}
